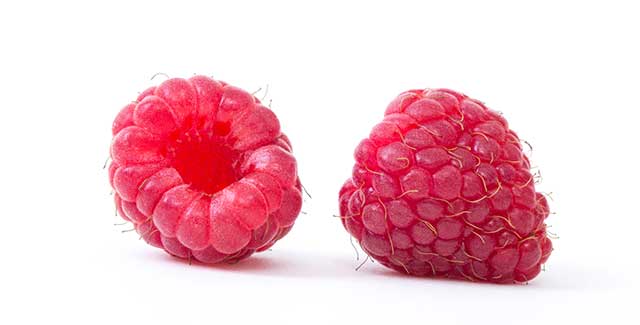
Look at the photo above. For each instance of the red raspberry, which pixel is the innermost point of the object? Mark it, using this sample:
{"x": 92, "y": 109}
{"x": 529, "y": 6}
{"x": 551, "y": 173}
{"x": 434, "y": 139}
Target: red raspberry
{"x": 202, "y": 170}
{"x": 441, "y": 187}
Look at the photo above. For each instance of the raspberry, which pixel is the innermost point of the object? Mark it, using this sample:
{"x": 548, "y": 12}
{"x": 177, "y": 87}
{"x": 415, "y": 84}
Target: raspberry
{"x": 441, "y": 188}
{"x": 202, "y": 170}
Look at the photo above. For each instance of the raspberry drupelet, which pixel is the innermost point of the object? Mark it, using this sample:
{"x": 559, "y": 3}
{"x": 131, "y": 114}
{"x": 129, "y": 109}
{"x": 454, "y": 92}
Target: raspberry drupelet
{"x": 441, "y": 188}
{"x": 202, "y": 171}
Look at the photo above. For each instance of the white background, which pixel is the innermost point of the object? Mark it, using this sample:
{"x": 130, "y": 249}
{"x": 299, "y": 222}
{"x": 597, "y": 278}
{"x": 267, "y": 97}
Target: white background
{"x": 566, "y": 76}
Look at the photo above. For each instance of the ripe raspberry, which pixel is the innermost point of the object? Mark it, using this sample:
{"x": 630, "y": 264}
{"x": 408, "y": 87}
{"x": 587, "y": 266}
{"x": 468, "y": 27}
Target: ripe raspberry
{"x": 202, "y": 170}
{"x": 441, "y": 187}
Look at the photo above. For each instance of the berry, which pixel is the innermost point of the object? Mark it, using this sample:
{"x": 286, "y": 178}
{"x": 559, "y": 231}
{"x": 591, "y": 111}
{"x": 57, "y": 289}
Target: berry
{"x": 202, "y": 170}
{"x": 441, "y": 188}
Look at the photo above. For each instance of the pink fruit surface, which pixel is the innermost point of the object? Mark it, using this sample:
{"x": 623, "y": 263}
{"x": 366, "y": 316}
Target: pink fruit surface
{"x": 441, "y": 188}
{"x": 203, "y": 171}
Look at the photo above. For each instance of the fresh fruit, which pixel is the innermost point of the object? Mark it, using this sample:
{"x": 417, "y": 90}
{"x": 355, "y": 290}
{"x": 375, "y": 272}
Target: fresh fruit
{"x": 202, "y": 170}
{"x": 441, "y": 187}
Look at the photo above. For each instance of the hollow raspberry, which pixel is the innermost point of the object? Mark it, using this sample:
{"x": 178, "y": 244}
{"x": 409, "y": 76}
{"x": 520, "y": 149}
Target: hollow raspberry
{"x": 202, "y": 170}
{"x": 441, "y": 187}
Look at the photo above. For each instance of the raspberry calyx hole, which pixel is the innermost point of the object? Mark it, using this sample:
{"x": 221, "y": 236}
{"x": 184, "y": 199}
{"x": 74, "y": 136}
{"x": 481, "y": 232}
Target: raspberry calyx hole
{"x": 203, "y": 160}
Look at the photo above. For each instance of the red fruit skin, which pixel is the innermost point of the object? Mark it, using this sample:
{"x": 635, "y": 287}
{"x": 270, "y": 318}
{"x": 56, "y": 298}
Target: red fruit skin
{"x": 441, "y": 188}
{"x": 203, "y": 171}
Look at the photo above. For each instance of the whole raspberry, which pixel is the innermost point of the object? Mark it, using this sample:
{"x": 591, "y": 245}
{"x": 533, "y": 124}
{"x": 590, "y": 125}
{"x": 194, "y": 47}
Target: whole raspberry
{"x": 202, "y": 170}
{"x": 441, "y": 187}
